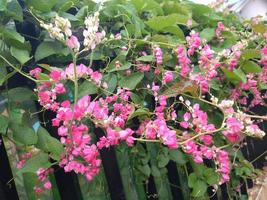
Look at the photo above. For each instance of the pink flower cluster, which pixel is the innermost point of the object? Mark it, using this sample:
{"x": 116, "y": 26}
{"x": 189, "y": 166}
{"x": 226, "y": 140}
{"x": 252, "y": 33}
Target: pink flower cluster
{"x": 184, "y": 62}
{"x": 218, "y": 31}
{"x": 43, "y": 178}
{"x": 158, "y": 128}
{"x": 194, "y": 42}
{"x": 234, "y": 128}
{"x": 158, "y": 55}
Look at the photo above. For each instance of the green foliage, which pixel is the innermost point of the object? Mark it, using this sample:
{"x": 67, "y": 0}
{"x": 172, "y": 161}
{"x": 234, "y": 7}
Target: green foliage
{"x": 49, "y": 144}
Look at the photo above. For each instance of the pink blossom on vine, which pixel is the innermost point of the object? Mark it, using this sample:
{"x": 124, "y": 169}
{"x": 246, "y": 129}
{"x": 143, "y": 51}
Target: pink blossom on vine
{"x": 184, "y": 62}
{"x": 158, "y": 55}
{"x": 36, "y": 72}
{"x": 223, "y": 162}
{"x": 73, "y": 43}
{"x": 167, "y": 77}
{"x": 194, "y": 42}
{"x": 234, "y": 127}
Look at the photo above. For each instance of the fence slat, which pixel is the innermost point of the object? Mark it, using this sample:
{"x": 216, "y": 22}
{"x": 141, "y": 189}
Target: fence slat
{"x": 126, "y": 172}
{"x": 161, "y": 182}
{"x": 9, "y": 190}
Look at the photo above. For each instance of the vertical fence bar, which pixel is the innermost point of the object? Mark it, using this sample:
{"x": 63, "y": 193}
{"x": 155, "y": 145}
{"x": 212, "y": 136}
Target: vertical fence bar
{"x": 111, "y": 170}
{"x": 8, "y": 189}
{"x": 161, "y": 181}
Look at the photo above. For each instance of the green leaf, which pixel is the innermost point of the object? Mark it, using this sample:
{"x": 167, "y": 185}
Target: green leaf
{"x": 49, "y": 144}
{"x": 49, "y": 48}
{"x": 139, "y": 112}
{"x": 40, "y": 160}
{"x": 163, "y": 160}
{"x": 111, "y": 80}
{"x": 120, "y": 58}
{"x": 3, "y": 74}
{"x": 211, "y": 177}
{"x": 148, "y": 58}
{"x": 160, "y": 22}
{"x": 155, "y": 171}
{"x": 121, "y": 68}
{"x": 87, "y": 88}
{"x": 23, "y": 134}
{"x": 234, "y": 76}
{"x": 42, "y": 5}
{"x": 181, "y": 87}
{"x": 3, "y": 5}
{"x": 13, "y": 34}
{"x": 207, "y": 33}
{"x": 171, "y": 7}
{"x": 251, "y": 53}
{"x": 250, "y": 67}
{"x": 148, "y": 5}
{"x": 21, "y": 55}
{"x": 14, "y": 10}
{"x": 175, "y": 30}
{"x": 259, "y": 28}
{"x": 177, "y": 156}
{"x": 131, "y": 81}
{"x": 240, "y": 74}
{"x": 3, "y": 124}
{"x": 192, "y": 178}
{"x": 199, "y": 188}
{"x": 145, "y": 169}
{"x": 20, "y": 94}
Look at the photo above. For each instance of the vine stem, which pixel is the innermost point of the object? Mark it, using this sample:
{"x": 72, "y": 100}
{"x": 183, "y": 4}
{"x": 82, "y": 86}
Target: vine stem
{"x": 17, "y": 70}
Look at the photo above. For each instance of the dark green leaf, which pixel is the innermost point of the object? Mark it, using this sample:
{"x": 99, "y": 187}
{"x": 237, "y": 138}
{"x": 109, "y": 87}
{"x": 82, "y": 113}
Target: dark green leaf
{"x": 131, "y": 81}
{"x": 121, "y": 68}
{"x": 163, "y": 160}
{"x": 13, "y": 34}
{"x": 23, "y": 134}
{"x": 49, "y": 144}
{"x": 3, "y": 74}
{"x": 48, "y": 48}
{"x": 177, "y": 156}
{"x": 33, "y": 164}
{"x": 3, "y": 124}
{"x": 111, "y": 80}
{"x": 87, "y": 88}
{"x": 145, "y": 169}
{"x": 14, "y": 10}
{"x": 22, "y": 55}
{"x": 42, "y": 5}
{"x": 20, "y": 94}
{"x": 199, "y": 188}
{"x": 155, "y": 171}
{"x": 139, "y": 112}
{"x": 211, "y": 177}
{"x": 148, "y": 58}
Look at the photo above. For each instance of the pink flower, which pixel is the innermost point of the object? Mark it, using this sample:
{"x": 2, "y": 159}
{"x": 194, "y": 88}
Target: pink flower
{"x": 73, "y": 43}
{"x": 168, "y": 77}
{"x": 158, "y": 54}
{"x": 55, "y": 75}
{"x": 96, "y": 76}
{"x": 36, "y": 72}
{"x": 48, "y": 185}
{"x": 59, "y": 88}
